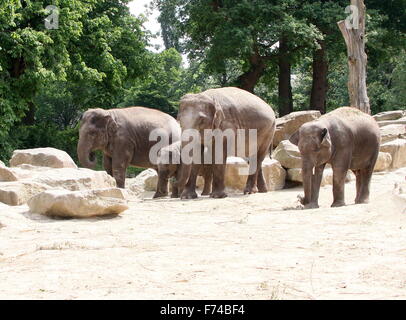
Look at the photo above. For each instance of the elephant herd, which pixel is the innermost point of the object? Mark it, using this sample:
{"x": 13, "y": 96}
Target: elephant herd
{"x": 222, "y": 122}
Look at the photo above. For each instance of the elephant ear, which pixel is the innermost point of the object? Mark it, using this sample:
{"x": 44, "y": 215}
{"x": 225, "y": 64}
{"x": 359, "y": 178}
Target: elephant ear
{"x": 111, "y": 126}
{"x": 218, "y": 115}
{"x": 294, "y": 138}
{"x": 325, "y": 138}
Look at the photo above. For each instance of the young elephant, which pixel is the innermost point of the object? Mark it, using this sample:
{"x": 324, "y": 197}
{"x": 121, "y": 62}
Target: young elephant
{"x": 168, "y": 169}
{"x": 124, "y": 137}
{"x": 346, "y": 138}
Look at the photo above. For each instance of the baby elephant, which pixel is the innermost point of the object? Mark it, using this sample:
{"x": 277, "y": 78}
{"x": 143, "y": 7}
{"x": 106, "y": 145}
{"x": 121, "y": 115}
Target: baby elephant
{"x": 346, "y": 138}
{"x": 169, "y": 168}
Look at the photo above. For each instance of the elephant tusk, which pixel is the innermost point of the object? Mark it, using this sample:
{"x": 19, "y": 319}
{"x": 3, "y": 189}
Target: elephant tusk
{"x": 313, "y": 171}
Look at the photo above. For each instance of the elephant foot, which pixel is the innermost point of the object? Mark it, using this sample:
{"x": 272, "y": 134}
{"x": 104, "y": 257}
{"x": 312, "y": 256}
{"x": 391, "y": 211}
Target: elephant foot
{"x": 188, "y": 195}
{"x": 262, "y": 190}
{"x": 339, "y": 203}
{"x": 175, "y": 195}
{"x": 205, "y": 193}
{"x": 311, "y": 205}
{"x": 218, "y": 195}
{"x": 159, "y": 195}
{"x": 361, "y": 201}
{"x": 250, "y": 190}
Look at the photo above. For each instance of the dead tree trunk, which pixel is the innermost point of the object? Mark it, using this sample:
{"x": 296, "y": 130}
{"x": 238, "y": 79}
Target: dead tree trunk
{"x": 354, "y": 35}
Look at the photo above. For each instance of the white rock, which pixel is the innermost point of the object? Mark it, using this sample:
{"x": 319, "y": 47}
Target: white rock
{"x": 392, "y": 132}
{"x": 43, "y": 157}
{"x": 237, "y": 169}
{"x": 147, "y": 180}
{"x": 397, "y": 149}
{"x": 288, "y": 155}
{"x": 78, "y": 204}
{"x": 19, "y": 192}
{"x": 389, "y": 115}
{"x": 2, "y": 164}
{"x": 75, "y": 179}
{"x": 296, "y": 175}
{"x": 383, "y": 162}
{"x": 289, "y": 124}
{"x": 401, "y": 121}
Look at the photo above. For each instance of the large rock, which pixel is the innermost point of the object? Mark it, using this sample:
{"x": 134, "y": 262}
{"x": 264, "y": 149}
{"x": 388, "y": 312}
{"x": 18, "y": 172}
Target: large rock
{"x": 389, "y": 115}
{"x": 383, "y": 162}
{"x": 296, "y": 175}
{"x": 288, "y": 155}
{"x": 77, "y": 204}
{"x": 75, "y": 179}
{"x": 2, "y": 164}
{"x": 14, "y": 174}
{"x": 237, "y": 169}
{"x": 392, "y": 132}
{"x": 397, "y": 149}
{"x": 17, "y": 193}
{"x": 287, "y": 125}
{"x": 401, "y": 121}
{"x": 42, "y": 157}
{"x": 147, "y": 180}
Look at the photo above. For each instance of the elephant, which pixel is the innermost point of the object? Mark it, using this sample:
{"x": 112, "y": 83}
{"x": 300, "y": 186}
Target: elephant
{"x": 226, "y": 109}
{"x": 123, "y": 135}
{"x": 170, "y": 169}
{"x": 346, "y": 138}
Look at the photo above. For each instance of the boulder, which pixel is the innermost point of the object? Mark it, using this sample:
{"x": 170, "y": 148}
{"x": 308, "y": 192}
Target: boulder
{"x": 397, "y": 149}
{"x": 17, "y": 193}
{"x": 237, "y": 169}
{"x": 392, "y": 132}
{"x": 383, "y": 162}
{"x": 288, "y": 155}
{"x": 2, "y": 164}
{"x": 296, "y": 175}
{"x": 14, "y": 174}
{"x": 147, "y": 180}
{"x": 389, "y": 115}
{"x": 42, "y": 157}
{"x": 75, "y": 179}
{"x": 77, "y": 204}
{"x": 287, "y": 125}
{"x": 401, "y": 121}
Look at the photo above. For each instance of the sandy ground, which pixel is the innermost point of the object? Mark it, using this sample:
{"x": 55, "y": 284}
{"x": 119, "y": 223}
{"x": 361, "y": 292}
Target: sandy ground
{"x": 241, "y": 247}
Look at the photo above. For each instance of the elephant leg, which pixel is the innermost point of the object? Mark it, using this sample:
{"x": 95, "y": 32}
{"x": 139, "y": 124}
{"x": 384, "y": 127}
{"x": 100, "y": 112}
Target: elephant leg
{"x": 339, "y": 175}
{"x": 119, "y": 171}
{"x": 358, "y": 184}
{"x": 162, "y": 185}
{"x": 219, "y": 171}
{"x": 190, "y": 188}
{"x": 262, "y": 188}
{"x": 365, "y": 177}
{"x": 208, "y": 179}
{"x": 108, "y": 165}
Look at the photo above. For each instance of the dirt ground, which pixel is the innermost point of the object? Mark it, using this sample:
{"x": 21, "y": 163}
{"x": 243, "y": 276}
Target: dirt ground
{"x": 241, "y": 247}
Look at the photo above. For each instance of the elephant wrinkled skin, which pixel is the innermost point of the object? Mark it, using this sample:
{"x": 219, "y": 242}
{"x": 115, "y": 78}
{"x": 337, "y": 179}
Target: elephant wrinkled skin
{"x": 346, "y": 138}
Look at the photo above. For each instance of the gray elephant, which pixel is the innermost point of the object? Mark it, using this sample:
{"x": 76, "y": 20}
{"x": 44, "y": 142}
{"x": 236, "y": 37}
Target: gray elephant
{"x": 227, "y": 109}
{"x": 123, "y": 135}
{"x": 346, "y": 138}
{"x": 169, "y": 167}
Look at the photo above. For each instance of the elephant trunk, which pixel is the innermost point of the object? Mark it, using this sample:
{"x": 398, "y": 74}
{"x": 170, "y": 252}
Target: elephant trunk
{"x": 87, "y": 157}
{"x": 307, "y": 174}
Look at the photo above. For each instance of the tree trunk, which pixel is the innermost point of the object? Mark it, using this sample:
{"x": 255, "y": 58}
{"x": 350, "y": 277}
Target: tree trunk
{"x": 249, "y": 79}
{"x": 320, "y": 85}
{"x": 285, "y": 101}
{"x": 354, "y": 35}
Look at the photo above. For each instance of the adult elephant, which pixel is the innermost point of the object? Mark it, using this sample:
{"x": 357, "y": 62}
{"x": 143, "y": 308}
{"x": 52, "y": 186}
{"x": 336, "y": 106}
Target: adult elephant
{"x": 226, "y": 110}
{"x": 346, "y": 138}
{"x": 123, "y": 135}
